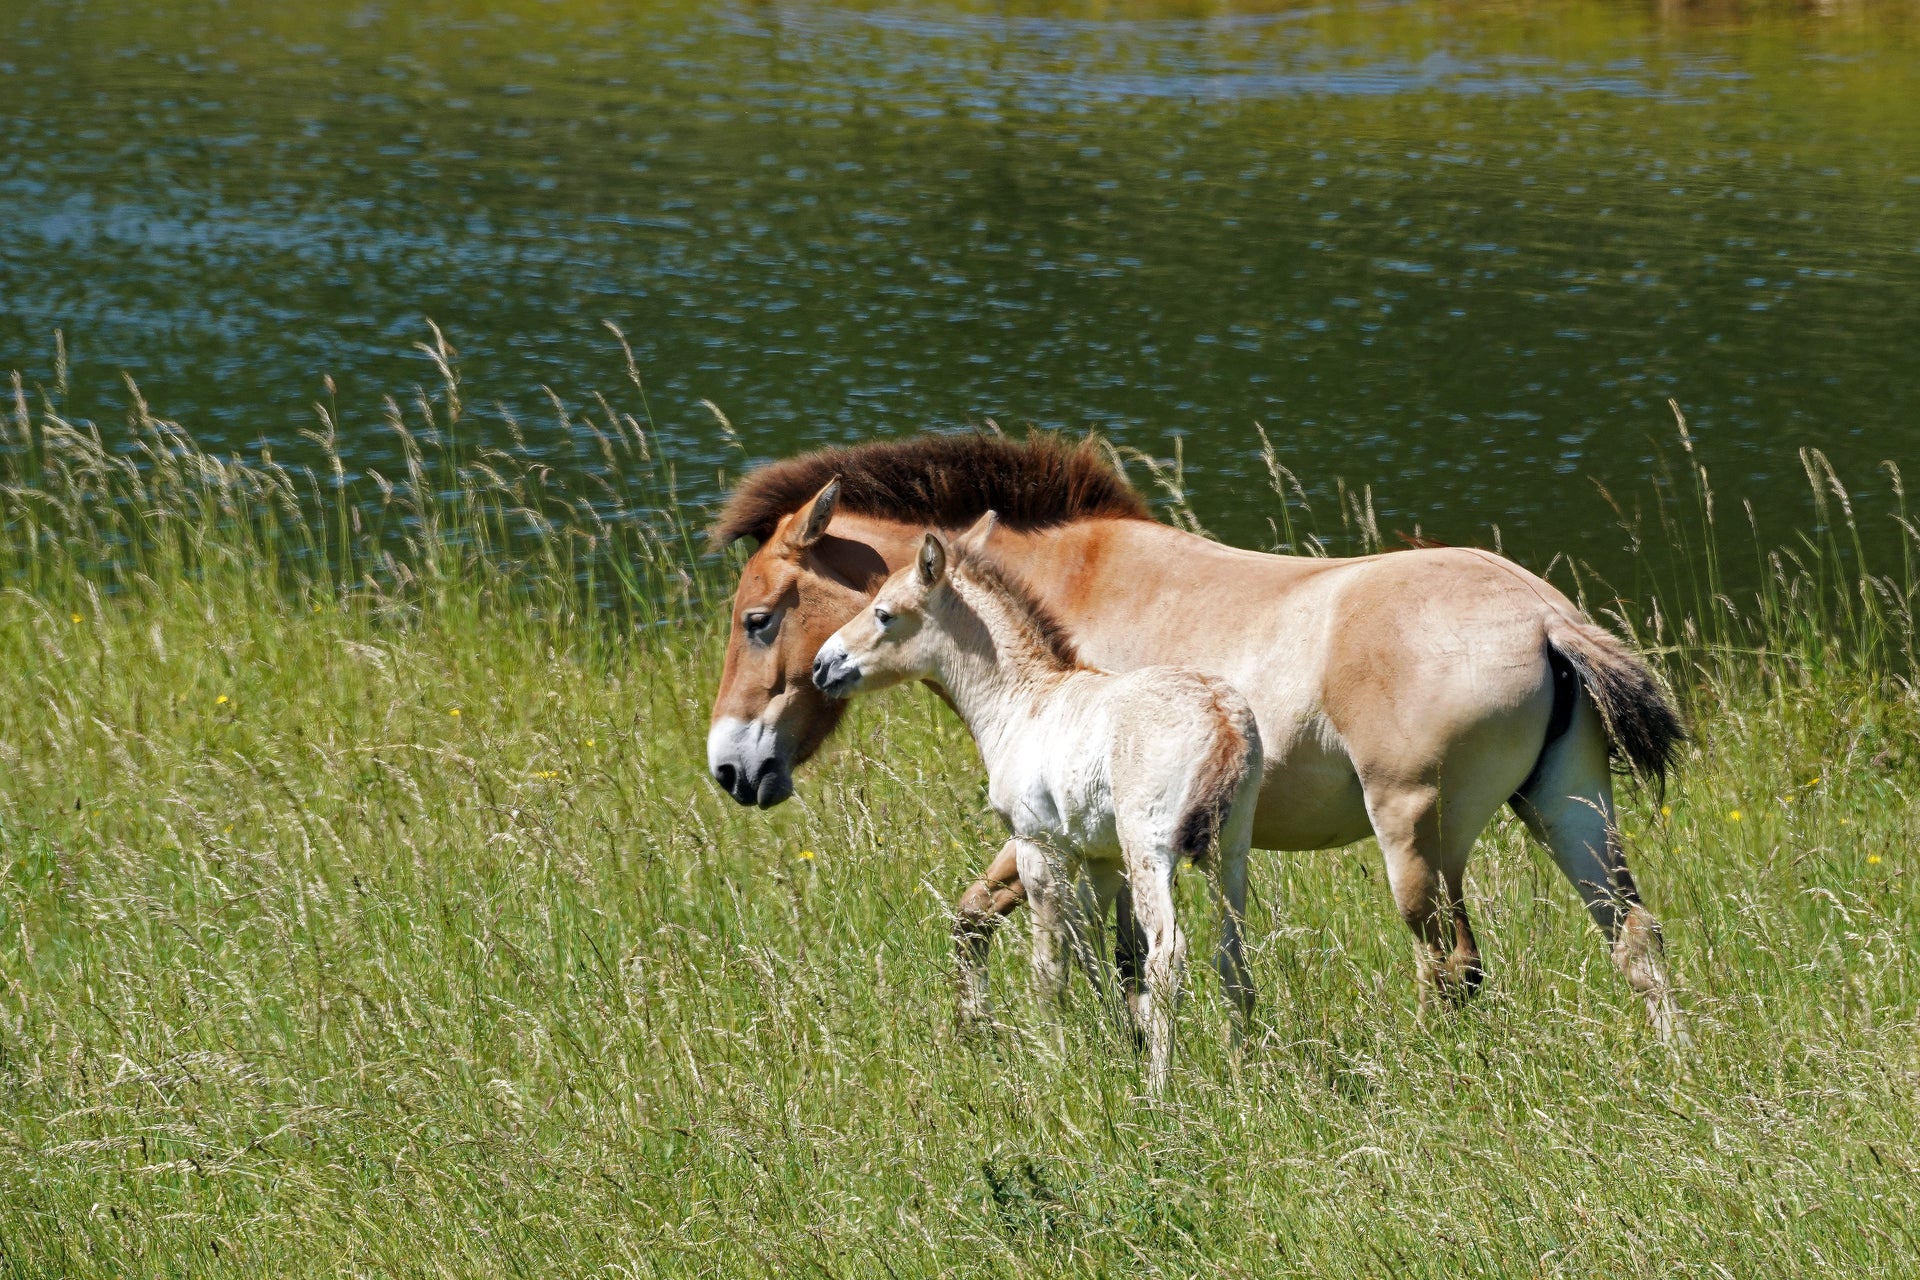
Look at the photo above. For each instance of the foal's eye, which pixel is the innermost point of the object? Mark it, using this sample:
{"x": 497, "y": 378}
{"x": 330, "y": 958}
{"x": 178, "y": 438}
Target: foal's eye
{"x": 881, "y": 615}
{"x": 755, "y": 622}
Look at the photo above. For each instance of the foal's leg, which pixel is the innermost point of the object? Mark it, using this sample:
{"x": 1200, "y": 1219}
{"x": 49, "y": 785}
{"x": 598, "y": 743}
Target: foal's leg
{"x": 1049, "y": 893}
{"x": 989, "y": 900}
{"x": 1150, "y": 875}
{"x": 1130, "y": 958}
{"x": 1103, "y": 883}
{"x": 1084, "y": 914}
{"x": 1570, "y": 810}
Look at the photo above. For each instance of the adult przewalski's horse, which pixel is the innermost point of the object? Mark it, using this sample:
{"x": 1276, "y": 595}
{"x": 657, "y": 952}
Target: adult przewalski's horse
{"x": 1408, "y": 695}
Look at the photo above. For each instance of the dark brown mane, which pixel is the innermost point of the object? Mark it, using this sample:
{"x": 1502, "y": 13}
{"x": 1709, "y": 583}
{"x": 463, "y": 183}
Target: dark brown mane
{"x": 944, "y": 481}
{"x": 1027, "y": 607}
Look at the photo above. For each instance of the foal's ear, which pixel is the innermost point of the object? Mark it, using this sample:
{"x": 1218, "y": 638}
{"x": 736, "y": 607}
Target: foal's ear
{"x": 975, "y": 538}
{"x": 819, "y": 515}
{"x": 933, "y": 559}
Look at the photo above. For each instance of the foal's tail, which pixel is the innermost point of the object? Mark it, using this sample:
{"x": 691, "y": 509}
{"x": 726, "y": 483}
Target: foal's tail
{"x": 1641, "y": 723}
{"x": 1235, "y": 754}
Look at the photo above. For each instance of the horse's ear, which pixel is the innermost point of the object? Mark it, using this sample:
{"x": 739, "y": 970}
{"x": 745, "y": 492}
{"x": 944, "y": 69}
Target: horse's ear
{"x": 933, "y": 559}
{"x": 975, "y": 538}
{"x": 819, "y": 515}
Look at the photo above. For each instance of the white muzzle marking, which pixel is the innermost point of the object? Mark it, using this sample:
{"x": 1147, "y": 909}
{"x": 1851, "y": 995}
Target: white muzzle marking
{"x": 744, "y": 758}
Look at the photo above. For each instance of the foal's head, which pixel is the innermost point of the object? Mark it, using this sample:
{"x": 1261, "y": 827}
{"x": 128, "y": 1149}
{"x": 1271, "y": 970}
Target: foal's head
{"x": 898, "y": 637}
{"x": 918, "y": 618}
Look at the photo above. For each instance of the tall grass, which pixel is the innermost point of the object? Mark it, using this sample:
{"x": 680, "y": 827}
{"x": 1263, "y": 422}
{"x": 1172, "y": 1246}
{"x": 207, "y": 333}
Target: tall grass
{"x": 468, "y": 516}
{"x": 367, "y": 911}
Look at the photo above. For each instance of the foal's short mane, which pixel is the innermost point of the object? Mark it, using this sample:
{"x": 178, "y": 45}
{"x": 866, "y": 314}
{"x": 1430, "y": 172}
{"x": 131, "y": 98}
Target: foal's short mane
{"x": 1038, "y": 620}
{"x": 944, "y": 481}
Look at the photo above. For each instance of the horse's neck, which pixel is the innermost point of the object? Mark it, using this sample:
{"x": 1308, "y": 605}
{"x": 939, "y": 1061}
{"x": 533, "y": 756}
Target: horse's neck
{"x": 996, "y": 672}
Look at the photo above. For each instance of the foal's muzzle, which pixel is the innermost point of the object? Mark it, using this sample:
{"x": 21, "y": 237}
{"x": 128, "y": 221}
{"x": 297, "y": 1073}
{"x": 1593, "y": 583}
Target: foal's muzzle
{"x": 834, "y": 673}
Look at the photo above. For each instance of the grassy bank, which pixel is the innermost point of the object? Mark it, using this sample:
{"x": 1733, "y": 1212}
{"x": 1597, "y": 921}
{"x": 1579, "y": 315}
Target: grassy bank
{"x": 367, "y": 911}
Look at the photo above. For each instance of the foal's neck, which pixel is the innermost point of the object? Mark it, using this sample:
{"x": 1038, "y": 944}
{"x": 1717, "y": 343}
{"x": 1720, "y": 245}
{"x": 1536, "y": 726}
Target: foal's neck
{"x": 1000, "y": 662}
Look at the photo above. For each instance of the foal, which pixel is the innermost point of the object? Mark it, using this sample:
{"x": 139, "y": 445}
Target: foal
{"x": 1119, "y": 776}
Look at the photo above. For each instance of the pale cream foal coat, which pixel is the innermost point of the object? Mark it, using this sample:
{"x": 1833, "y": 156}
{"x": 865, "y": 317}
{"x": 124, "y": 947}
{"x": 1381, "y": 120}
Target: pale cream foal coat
{"x": 1116, "y": 778}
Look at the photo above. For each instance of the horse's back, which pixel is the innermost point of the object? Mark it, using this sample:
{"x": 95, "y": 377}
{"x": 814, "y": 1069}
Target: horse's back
{"x": 1427, "y": 642}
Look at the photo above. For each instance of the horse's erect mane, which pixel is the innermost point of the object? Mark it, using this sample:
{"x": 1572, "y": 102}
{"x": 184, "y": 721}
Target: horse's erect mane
{"x": 943, "y": 481}
{"x": 978, "y": 567}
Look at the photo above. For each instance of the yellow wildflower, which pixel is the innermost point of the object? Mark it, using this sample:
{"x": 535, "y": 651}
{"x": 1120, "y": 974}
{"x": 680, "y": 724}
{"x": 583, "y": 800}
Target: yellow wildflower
{"x": 76, "y": 617}
{"x": 1733, "y": 816}
{"x": 455, "y": 713}
{"x": 220, "y": 701}
{"x": 806, "y": 855}
{"x": 589, "y": 741}
{"x": 1666, "y": 811}
{"x": 1873, "y": 859}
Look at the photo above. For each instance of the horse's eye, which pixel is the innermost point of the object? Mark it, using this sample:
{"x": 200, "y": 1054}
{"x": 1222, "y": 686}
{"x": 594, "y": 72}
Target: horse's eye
{"x": 756, "y": 622}
{"x": 881, "y": 616}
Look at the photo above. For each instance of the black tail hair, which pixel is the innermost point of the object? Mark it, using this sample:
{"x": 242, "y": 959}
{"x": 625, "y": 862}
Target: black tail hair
{"x": 1643, "y": 729}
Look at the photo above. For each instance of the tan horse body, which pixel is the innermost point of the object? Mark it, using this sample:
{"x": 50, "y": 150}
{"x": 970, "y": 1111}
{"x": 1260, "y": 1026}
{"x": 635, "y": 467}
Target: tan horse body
{"x": 1103, "y": 780}
{"x": 1408, "y": 695}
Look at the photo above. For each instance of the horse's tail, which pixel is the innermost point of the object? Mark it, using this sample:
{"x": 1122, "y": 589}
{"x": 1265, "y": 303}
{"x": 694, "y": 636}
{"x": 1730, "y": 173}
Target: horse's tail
{"x": 1235, "y": 753}
{"x": 1643, "y": 729}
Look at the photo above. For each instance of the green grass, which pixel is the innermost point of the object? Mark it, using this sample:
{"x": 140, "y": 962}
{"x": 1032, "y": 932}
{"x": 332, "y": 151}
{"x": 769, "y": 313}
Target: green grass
{"x": 305, "y": 973}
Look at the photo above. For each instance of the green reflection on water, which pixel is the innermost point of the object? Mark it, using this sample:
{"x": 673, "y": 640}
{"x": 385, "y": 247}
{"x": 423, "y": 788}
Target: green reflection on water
{"x": 1459, "y": 254}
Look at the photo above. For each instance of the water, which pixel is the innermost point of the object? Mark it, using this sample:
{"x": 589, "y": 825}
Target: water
{"x": 1461, "y": 257}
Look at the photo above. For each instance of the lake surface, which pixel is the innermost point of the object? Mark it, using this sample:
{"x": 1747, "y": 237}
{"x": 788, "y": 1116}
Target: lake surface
{"x": 1460, "y": 254}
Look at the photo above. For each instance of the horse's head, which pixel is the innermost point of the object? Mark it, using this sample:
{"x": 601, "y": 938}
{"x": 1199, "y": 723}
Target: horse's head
{"x": 806, "y": 580}
{"x": 891, "y": 641}
{"x": 795, "y": 591}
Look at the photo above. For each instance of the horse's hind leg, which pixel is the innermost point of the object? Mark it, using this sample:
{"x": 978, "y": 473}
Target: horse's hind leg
{"x": 1228, "y": 876}
{"x": 1569, "y": 809}
{"x": 976, "y": 917}
{"x": 1425, "y": 846}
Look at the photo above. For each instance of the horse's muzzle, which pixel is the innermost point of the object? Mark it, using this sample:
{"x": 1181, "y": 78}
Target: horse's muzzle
{"x": 747, "y": 764}
{"x": 766, "y": 789}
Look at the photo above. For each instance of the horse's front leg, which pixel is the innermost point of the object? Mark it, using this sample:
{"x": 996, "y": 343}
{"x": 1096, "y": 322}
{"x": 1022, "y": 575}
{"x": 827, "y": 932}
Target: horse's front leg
{"x": 987, "y": 901}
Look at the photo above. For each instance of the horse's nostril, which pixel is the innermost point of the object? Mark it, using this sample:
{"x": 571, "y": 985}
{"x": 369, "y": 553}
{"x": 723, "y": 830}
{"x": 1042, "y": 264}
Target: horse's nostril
{"x": 724, "y": 775}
